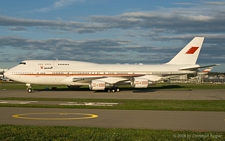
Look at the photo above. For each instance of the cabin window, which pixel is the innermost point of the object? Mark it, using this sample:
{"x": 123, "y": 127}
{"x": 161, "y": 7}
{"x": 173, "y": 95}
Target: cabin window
{"x": 24, "y": 63}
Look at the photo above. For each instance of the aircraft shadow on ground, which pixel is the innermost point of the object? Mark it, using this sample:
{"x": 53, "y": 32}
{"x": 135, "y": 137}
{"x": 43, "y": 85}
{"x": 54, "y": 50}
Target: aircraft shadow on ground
{"x": 135, "y": 90}
{"x": 158, "y": 88}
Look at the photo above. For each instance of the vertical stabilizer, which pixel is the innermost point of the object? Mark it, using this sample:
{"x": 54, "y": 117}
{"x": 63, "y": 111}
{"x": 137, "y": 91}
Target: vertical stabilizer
{"x": 189, "y": 54}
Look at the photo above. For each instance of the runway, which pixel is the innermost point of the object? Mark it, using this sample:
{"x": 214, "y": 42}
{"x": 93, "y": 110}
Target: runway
{"x": 139, "y": 119}
{"x": 215, "y": 94}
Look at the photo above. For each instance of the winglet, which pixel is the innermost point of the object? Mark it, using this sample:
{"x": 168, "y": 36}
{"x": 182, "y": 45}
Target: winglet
{"x": 189, "y": 54}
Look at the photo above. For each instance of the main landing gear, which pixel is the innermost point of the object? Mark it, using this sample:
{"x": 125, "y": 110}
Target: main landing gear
{"x": 29, "y": 89}
{"x": 113, "y": 89}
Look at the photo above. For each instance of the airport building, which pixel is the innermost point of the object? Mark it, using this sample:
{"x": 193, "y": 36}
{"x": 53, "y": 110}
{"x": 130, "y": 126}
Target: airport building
{"x": 199, "y": 78}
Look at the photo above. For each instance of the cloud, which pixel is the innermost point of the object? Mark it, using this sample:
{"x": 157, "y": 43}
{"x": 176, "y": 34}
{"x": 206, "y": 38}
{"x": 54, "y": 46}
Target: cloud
{"x": 98, "y": 50}
{"x": 17, "y": 28}
{"x": 70, "y": 26}
{"x": 206, "y": 17}
{"x": 215, "y": 3}
{"x": 170, "y": 23}
{"x": 58, "y": 4}
{"x": 62, "y": 3}
{"x": 58, "y": 43}
{"x": 59, "y": 48}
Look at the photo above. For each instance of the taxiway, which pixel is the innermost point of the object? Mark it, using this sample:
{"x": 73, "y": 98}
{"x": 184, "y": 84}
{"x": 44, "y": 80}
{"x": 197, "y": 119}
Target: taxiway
{"x": 140, "y": 119}
{"x": 212, "y": 94}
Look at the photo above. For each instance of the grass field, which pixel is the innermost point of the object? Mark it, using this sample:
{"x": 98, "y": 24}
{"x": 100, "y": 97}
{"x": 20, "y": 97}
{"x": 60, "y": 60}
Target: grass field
{"x": 128, "y": 104}
{"x": 40, "y": 133}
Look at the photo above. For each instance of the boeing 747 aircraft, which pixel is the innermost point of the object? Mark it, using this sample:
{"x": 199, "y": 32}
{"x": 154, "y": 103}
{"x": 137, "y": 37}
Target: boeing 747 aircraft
{"x": 105, "y": 76}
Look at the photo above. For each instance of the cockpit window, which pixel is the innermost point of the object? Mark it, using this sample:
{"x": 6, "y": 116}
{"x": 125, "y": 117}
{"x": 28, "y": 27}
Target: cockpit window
{"x": 24, "y": 63}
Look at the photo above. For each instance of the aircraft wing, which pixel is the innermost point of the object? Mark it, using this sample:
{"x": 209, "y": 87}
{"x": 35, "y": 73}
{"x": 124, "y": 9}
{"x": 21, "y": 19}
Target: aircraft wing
{"x": 106, "y": 79}
{"x": 118, "y": 79}
{"x": 113, "y": 80}
{"x": 122, "y": 80}
{"x": 71, "y": 81}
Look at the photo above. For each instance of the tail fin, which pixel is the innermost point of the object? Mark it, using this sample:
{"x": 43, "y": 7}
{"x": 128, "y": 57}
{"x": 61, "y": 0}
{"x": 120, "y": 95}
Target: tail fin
{"x": 189, "y": 54}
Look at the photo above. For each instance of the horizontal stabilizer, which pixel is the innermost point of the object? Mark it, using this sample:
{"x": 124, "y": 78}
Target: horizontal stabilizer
{"x": 198, "y": 67}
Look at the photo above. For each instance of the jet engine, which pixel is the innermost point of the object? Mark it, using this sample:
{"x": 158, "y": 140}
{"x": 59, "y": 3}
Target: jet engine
{"x": 139, "y": 83}
{"x": 97, "y": 85}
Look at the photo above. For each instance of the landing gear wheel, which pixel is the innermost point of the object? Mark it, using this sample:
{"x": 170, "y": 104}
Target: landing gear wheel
{"x": 29, "y": 90}
{"x": 115, "y": 89}
{"x": 107, "y": 90}
{"x": 112, "y": 89}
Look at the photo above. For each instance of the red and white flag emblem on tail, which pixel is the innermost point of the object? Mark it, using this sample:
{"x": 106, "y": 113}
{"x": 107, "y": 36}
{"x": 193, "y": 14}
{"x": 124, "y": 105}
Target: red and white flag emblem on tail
{"x": 192, "y": 50}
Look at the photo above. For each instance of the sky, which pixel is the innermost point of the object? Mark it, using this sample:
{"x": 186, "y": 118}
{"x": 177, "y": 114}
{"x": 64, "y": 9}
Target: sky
{"x": 110, "y": 31}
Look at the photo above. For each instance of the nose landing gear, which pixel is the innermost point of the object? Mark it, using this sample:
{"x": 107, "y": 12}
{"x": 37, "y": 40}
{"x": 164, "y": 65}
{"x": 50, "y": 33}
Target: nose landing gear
{"x": 29, "y": 89}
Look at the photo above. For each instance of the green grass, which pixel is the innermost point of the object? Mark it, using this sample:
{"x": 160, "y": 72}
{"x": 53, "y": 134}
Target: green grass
{"x": 127, "y": 104}
{"x": 40, "y": 133}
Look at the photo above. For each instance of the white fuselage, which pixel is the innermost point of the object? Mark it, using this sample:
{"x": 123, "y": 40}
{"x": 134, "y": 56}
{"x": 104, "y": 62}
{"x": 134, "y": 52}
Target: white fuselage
{"x": 58, "y": 72}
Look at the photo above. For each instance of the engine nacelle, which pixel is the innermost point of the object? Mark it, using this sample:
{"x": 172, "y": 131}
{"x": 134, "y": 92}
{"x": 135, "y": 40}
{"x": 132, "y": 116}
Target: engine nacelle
{"x": 97, "y": 85}
{"x": 139, "y": 83}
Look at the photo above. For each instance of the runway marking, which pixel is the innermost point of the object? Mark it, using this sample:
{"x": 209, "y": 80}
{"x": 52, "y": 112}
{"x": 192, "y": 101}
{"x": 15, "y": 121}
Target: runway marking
{"x": 16, "y": 102}
{"x": 90, "y": 103}
{"x": 26, "y": 116}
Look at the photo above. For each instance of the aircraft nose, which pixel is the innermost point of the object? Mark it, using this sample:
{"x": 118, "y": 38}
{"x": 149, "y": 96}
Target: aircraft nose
{"x": 7, "y": 74}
